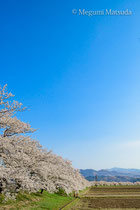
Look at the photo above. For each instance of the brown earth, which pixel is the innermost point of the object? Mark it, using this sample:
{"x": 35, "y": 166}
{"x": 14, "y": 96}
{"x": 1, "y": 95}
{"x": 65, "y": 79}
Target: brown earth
{"x": 109, "y": 198}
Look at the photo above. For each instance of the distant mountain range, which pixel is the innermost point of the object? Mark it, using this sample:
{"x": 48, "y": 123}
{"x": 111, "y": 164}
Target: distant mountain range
{"x": 113, "y": 174}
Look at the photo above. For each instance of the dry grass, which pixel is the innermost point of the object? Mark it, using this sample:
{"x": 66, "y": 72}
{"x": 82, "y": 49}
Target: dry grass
{"x": 110, "y": 198}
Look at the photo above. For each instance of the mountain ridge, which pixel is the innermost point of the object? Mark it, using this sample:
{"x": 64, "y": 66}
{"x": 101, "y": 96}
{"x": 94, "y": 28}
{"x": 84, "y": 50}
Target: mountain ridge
{"x": 113, "y": 174}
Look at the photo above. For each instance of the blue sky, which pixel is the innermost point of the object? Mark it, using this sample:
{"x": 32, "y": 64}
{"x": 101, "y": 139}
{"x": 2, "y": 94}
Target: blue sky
{"x": 79, "y": 76}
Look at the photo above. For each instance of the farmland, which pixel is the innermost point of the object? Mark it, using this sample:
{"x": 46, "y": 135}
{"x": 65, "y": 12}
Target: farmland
{"x": 119, "y": 197}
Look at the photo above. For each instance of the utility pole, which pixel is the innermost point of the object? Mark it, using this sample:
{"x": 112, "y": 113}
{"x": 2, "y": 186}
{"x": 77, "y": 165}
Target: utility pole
{"x": 96, "y": 180}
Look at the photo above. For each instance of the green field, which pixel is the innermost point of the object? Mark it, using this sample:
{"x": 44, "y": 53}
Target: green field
{"x": 119, "y": 197}
{"x": 37, "y": 201}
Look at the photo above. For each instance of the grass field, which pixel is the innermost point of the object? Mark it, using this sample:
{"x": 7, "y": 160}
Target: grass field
{"x": 37, "y": 201}
{"x": 120, "y": 197}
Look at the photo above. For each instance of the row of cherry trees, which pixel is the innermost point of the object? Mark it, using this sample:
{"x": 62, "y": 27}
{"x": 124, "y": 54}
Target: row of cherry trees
{"x": 24, "y": 164}
{"x": 104, "y": 183}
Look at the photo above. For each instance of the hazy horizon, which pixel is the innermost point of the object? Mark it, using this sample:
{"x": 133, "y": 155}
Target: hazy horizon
{"x": 109, "y": 168}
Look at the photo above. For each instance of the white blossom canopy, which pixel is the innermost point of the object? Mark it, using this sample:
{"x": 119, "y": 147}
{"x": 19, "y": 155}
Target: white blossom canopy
{"x": 24, "y": 161}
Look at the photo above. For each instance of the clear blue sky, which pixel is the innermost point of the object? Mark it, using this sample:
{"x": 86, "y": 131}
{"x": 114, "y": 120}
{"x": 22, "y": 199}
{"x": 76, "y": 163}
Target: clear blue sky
{"x": 79, "y": 75}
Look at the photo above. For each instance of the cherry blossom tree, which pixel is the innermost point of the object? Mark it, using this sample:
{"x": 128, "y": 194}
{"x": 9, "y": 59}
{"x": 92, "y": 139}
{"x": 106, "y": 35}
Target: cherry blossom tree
{"x": 24, "y": 164}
